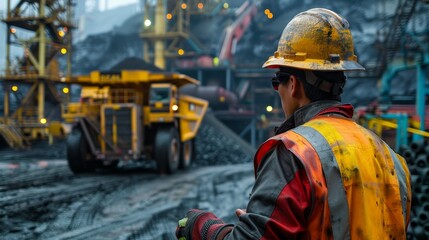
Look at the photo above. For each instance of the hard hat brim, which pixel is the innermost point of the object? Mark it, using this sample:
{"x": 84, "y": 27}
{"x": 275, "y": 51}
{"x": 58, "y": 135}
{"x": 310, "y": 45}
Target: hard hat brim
{"x": 313, "y": 64}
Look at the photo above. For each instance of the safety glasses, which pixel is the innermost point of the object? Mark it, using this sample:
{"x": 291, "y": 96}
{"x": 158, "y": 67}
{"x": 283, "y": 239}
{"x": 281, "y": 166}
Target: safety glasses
{"x": 279, "y": 78}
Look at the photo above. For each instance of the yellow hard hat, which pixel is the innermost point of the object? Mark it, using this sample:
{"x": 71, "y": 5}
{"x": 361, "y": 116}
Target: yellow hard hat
{"x": 318, "y": 39}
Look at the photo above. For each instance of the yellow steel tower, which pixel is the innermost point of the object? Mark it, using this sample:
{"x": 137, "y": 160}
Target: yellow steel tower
{"x": 166, "y": 25}
{"x": 43, "y": 30}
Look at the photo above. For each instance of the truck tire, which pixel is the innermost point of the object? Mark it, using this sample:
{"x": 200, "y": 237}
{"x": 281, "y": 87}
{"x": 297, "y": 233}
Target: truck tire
{"x": 167, "y": 150}
{"x": 187, "y": 154}
{"x": 79, "y": 158}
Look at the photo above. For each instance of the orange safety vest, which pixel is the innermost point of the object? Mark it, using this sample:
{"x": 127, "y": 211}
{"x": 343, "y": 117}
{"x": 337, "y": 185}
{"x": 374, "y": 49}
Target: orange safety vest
{"x": 360, "y": 186}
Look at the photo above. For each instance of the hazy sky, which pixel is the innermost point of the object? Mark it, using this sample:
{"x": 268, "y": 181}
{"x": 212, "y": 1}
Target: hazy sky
{"x": 113, "y": 4}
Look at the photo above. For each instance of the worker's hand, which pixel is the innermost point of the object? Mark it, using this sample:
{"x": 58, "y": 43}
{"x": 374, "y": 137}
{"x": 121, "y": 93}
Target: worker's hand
{"x": 184, "y": 227}
{"x": 198, "y": 223}
{"x": 240, "y": 212}
{"x": 180, "y": 230}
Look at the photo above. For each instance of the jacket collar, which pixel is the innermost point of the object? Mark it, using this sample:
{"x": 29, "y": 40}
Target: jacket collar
{"x": 311, "y": 110}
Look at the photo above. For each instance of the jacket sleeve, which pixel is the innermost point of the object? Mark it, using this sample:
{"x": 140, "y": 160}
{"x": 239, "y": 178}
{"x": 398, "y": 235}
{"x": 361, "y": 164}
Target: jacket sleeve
{"x": 278, "y": 206}
{"x": 279, "y": 202}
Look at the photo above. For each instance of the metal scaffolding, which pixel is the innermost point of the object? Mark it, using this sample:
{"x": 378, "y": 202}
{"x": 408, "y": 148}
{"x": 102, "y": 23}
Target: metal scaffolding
{"x": 42, "y": 29}
{"x": 392, "y": 42}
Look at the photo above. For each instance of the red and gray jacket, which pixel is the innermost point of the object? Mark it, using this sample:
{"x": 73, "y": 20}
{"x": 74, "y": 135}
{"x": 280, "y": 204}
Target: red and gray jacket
{"x": 321, "y": 177}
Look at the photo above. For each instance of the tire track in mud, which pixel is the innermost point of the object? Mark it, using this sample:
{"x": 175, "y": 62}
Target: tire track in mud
{"x": 85, "y": 213}
{"x": 85, "y": 210}
{"x": 26, "y": 179}
{"x": 15, "y": 201}
{"x": 221, "y": 195}
{"x": 150, "y": 210}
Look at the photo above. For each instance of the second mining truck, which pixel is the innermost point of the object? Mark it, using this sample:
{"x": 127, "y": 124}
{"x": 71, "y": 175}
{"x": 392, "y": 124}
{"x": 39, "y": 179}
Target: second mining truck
{"x": 132, "y": 115}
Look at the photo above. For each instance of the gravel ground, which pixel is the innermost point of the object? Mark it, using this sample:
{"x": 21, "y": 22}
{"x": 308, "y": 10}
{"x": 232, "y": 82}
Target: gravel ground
{"x": 41, "y": 199}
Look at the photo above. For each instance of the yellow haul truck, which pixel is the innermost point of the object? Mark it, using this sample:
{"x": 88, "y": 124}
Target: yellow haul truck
{"x": 132, "y": 115}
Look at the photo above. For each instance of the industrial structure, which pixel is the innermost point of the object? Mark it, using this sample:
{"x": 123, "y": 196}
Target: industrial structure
{"x": 402, "y": 50}
{"x": 170, "y": 43}
{"x": 42, "y": 29}
{"x": 170, "y": 36}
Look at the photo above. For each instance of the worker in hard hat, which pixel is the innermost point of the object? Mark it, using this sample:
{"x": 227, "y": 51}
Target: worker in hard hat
{"x": 322, "y": 176}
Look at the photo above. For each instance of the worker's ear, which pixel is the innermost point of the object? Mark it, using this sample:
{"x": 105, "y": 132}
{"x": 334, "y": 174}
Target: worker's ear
{"x": 296, "y": 87}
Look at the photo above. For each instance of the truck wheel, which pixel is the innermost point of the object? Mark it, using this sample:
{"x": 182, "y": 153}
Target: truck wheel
{"x": 79, "y": 158}
{"x": 187, "y": 154}
{"x": 167, "y": 150}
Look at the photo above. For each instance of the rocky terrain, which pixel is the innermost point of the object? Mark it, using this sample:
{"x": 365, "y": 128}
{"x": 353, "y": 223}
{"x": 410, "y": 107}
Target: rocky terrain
{"x": 41, "y": 199}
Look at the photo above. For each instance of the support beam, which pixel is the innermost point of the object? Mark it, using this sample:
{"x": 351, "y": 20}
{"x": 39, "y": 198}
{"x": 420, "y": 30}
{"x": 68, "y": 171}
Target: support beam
{"x": 6, "y": 99}
{"x": 8, "y": 70}
{"x": 41, "y": 101}
{"x": 421, "y": 95}
{"x": 146, "y": 55}
{"x": 160, "y": 29}
{"x": 8, "y": 41}
{"x": 42, "y": 39}
{"x": 228, "y": 79}
{"x": 69, "y": 39}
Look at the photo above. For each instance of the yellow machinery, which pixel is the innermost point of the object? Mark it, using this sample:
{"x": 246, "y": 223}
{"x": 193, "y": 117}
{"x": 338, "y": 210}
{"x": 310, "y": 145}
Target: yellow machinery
{"x": 132, "y": 115}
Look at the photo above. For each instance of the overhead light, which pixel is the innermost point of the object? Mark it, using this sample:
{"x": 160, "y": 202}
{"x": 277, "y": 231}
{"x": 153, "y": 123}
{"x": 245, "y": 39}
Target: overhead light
{"x": 66, "y": 90}
{"x": 225, "y": 5}
{"x": 169, "y": 16}
{"x": 184, "y": 6}
{"x": 147, "y": 22}
{"x": 200, "y": 5}
{"x": 13, "y": 30}
{"x": 269, "y": 108}
{"x": 61, "y": 33}
{"x": 180, "y": 52}
{"x": 175, "y": 107}
{"x": 14, "y": 88}
{"x": 43, "y": 121}
{"x": 63, "y": 51}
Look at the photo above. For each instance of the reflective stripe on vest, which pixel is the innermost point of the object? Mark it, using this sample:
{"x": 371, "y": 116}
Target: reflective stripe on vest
{"x": 337, "y": 199}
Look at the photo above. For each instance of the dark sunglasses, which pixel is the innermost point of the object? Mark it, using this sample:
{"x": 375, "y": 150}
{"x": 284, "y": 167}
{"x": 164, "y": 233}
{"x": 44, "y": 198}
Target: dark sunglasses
{"x": 279, "y": 78}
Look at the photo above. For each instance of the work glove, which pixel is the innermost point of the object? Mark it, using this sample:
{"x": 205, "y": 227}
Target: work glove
{"x": 181, "y": 229}
{"x": 197, "y": 223}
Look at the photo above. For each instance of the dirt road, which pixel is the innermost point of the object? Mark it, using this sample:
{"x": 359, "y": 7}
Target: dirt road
{"x": 127, "y": 204}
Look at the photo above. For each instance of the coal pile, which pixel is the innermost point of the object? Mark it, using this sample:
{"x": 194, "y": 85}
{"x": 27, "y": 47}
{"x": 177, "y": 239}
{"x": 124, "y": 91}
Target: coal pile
{"x": 216, "y": 144}
{"x": 417, "y": 156}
